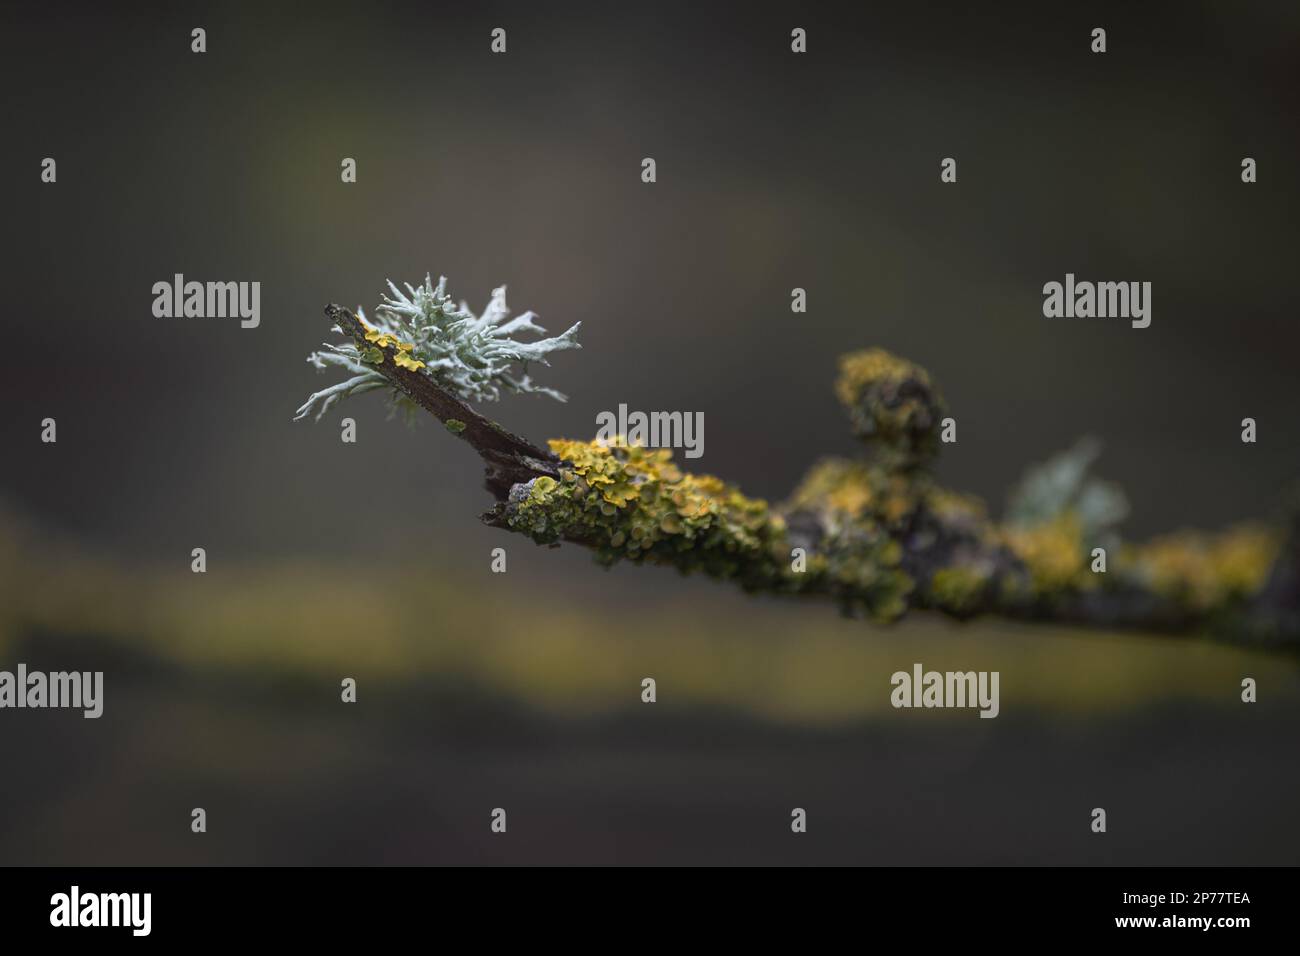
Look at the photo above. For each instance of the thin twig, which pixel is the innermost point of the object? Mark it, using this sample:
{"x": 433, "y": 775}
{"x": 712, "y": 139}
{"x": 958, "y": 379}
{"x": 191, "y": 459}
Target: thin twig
{"x": 509, "y": 458}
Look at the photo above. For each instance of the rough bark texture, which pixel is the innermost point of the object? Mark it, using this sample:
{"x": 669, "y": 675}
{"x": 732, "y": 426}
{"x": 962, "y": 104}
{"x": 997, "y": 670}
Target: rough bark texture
{"x": 877, "y": 534}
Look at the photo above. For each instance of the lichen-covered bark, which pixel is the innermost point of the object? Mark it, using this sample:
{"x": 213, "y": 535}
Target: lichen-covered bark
{"x": 509, "y": 458}
{"x": 878, "y": 534}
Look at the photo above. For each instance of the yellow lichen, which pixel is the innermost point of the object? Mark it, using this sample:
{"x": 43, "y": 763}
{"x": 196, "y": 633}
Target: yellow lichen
{"x": 960, "y": 591}
{"x": 387, "y": 339}
{"x": 1204, "y": 571}
{"x": 1053, "y": 552}
{"x": 893, "y": 406}
{"x": 843, "y": 486}
{"x": 403, "y": 360}
{"x": 951, "y": 505}
{"x": 634, "y": 502}
{"x": 870, "y": 367}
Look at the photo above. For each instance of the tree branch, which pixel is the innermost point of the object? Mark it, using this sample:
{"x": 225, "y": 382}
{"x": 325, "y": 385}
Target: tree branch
{"x": 878, "y": 535}
{"x": 509, "y": 458}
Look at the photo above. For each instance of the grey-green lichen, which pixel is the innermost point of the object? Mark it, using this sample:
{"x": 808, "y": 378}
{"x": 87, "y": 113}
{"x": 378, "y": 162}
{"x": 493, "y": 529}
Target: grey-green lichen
{"x": 1063, "y": 483}
{"x": 475, "y": 358}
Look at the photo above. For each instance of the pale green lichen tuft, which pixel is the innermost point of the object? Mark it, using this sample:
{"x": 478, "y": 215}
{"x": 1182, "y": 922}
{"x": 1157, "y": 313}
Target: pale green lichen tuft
{"x": 476, "y": 358}
{"x": 1063, "y": 484}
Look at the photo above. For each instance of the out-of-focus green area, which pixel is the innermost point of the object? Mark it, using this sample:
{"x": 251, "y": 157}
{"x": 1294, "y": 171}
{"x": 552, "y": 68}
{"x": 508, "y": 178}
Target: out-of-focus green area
{"x": 788, "y": 662}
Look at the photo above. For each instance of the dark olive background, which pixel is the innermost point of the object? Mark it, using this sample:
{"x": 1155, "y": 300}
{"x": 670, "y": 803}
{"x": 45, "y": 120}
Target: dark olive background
{"x": 774, "y": 171}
